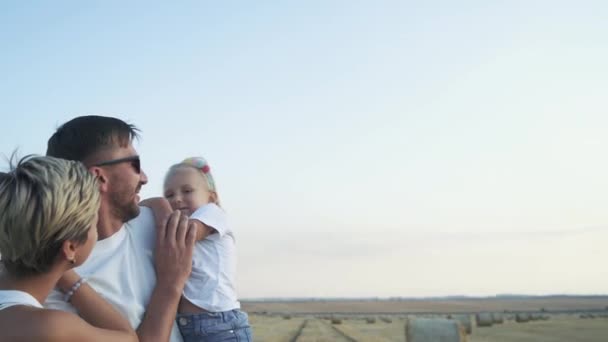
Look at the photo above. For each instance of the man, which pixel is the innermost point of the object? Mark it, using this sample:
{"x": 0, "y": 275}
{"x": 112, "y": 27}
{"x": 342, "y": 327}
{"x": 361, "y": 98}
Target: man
{"x": 137, "y": 268}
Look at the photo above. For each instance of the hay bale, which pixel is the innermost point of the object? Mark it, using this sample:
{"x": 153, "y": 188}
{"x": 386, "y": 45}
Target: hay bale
{"x": 386, "y": 320}
{"x": 286, "y": 317}
{"x": 522, "y": 317}
{"x": 370, "y": 320}
{"x": 535, "y": 316}
{"x": 436, "y": 330}
{"x": 464, "y": 321}
{"x": 497, "y": 318}
{"x": 484, "y": 319}
{"x": 336, "y": 321}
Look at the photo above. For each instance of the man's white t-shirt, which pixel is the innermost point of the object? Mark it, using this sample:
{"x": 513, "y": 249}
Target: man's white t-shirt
{"x": 211, "y": 284}
{"x": 121, "y": 269}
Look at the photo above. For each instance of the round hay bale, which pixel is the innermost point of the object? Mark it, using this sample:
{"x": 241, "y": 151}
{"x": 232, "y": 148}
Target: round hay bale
{"x": 286, "y": 317}
{"x": 522, "y": 317}
{"x": 436, "y": 330}
{"x": 464, "y": 321}
{"x": 336, "y": 321}
{"x": 497, "y": 318}
{"x": 386, "y": 320}
{"x": 535, "y": 316}
{"x": 484, "y": 319}
{"x": 370, "y": 320}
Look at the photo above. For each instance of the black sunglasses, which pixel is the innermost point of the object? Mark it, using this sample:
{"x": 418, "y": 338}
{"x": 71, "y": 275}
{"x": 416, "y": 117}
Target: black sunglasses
{"x": 134, "y": 160}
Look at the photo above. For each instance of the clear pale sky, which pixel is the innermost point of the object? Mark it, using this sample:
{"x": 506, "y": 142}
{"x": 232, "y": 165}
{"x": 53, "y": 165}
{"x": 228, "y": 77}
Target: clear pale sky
{"x": 361, "y": 148}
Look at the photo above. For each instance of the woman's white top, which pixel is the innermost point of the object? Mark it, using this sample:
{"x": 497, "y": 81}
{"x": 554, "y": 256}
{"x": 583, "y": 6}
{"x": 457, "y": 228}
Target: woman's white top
{"x": 10, "y": 298}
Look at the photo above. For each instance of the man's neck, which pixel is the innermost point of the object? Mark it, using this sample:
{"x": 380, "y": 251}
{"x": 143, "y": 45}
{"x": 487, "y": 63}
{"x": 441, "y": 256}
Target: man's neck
{"x": 107, "y": 225}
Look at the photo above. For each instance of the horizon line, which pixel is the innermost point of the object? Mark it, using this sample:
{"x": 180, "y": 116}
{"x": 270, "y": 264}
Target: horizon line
{"x": 351, "y": 298}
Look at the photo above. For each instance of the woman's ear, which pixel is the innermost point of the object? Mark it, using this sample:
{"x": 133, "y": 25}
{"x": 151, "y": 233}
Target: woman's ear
{"x": 68, "y": 251}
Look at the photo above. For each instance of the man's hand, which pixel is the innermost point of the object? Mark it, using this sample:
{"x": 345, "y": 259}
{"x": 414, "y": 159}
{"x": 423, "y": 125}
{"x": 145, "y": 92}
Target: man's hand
{"x": 173, "y": 253}
{"x": 173, "y": 262}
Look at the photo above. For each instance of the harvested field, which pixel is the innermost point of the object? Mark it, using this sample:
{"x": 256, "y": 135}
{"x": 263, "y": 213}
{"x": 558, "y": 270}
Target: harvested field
{"x": 565, "y": 328}
{"x": 387, "y": 325}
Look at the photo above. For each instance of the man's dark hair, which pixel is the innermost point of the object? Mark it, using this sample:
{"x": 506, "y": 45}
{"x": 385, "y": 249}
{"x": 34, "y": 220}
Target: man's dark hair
{"x": 81, "y": 137}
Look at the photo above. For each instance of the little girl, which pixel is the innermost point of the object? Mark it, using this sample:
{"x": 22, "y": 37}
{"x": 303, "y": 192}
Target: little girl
{"x": 209, "y": 309}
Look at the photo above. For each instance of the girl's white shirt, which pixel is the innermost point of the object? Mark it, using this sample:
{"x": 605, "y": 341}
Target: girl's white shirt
{"x": 211, "y": 285}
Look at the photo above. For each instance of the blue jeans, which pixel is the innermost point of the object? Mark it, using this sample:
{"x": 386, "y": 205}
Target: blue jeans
{"x": 215, "y": 326}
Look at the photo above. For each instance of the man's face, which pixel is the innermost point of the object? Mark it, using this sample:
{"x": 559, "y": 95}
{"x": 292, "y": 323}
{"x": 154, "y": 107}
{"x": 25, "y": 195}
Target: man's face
{"x": 124, "y": 180}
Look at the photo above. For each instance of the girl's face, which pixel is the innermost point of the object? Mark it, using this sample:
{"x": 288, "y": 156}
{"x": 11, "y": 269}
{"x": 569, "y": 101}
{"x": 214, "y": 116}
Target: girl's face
{"x": 186, "y": 190}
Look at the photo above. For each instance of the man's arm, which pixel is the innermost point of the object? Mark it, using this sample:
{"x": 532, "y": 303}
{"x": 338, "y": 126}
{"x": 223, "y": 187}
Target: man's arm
{"x": 175, "y": 240}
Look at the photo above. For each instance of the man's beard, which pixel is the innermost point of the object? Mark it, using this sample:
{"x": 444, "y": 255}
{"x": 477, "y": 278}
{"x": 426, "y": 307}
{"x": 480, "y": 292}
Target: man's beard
{"x": 123, "y": 206}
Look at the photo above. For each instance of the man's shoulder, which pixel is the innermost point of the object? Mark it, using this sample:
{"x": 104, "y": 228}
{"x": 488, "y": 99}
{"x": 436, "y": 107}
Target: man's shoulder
{"x": 144, "y": 222}
{"x": 142, "y": 230}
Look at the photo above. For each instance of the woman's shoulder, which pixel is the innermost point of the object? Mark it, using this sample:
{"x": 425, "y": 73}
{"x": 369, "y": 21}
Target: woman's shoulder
{"x": 42, "y": 324}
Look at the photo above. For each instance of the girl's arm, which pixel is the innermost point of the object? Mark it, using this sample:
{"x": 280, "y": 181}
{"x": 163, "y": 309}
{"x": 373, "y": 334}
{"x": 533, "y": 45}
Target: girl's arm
{"x": 103, "y": 320}
{"x": 160, "y": 207}
{"x": 202, "y": 230}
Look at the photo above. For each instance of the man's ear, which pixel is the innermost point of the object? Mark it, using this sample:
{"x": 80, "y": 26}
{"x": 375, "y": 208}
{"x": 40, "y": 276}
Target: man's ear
{"x": 102, "y": 178}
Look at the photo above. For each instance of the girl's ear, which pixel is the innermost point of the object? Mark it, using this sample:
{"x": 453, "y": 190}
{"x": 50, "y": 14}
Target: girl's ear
{"x": 213, "y": 197}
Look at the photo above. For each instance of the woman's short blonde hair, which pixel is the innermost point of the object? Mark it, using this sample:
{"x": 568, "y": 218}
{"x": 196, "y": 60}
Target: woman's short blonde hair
{"x": 44, "y": 201}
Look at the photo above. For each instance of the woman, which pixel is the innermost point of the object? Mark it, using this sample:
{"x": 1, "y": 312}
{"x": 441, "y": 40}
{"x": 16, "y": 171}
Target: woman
{"x": 48, "y": 226}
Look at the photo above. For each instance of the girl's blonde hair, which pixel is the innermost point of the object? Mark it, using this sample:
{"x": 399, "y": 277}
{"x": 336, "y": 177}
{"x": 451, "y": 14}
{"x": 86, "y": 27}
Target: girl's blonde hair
{"x": 44, "y": 202}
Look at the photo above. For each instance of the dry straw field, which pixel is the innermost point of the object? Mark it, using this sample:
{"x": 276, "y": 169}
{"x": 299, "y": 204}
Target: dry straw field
{"x": 558, "y": 320}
